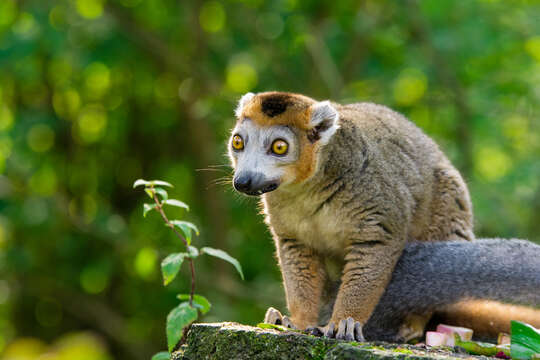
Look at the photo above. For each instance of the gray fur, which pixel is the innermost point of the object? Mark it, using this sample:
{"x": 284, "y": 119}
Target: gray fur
{"x": 366, "y": 185}
{"x": 429, "y": 276}
{"x": 379, "y": 182}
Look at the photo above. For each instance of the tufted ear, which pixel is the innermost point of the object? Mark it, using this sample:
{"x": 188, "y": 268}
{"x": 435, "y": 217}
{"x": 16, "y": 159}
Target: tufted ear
{"x": 323, "y": 121}
{"x": 243, "y": 101}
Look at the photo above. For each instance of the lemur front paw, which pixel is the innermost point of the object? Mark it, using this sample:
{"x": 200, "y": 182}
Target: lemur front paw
{"x": 274, "y": 317}
{"x": 347, "y": 329}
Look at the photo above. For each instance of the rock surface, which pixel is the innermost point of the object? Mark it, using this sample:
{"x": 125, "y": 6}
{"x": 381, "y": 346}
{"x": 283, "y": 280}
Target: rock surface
{"x": 235, "y": 341}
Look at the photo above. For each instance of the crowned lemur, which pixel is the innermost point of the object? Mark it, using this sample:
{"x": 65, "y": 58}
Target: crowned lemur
{"x": 344, "y": 189}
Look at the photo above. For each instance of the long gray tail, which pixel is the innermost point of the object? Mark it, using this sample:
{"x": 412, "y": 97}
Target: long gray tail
{"x": 430, "y": 276}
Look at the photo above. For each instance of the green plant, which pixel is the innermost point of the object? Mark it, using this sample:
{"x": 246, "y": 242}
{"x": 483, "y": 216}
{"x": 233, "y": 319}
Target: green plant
{"x": 524, "y": 344}
{"x": 525, "y": 341}
{"x": 183, "y": 315}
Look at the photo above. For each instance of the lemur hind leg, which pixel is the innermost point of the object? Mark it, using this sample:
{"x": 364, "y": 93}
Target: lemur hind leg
{"x": 413, "y": 327}
{"x": 274, "y": 317}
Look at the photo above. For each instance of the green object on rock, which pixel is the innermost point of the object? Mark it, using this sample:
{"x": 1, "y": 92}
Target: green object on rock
{"x": 481, "y": 348}
{"x": 524, "y": 340}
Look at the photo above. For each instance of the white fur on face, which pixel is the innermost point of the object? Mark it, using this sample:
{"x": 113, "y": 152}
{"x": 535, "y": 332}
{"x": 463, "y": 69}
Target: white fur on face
{"x": 325, "y": 116}
{"x": 257, "y": 155}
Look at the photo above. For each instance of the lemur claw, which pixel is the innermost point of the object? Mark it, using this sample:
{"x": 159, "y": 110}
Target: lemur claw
{"x": 286, "y": 321}
{"x": 274, "y": 317}
{"x": 348, "y": 329}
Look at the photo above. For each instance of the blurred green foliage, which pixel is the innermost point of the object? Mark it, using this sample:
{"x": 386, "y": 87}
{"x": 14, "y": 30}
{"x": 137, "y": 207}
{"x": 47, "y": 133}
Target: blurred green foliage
{"x": 97, "y": 93}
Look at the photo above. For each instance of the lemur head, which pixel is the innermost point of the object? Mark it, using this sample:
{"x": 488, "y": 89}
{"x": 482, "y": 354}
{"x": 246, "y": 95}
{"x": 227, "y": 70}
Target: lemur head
{"x": 276, "y": 139}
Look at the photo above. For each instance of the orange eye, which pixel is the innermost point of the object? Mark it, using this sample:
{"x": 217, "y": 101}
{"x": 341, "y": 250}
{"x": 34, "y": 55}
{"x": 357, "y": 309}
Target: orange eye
{"x": 280, "y": 147}
{"x": 237, "y": 142}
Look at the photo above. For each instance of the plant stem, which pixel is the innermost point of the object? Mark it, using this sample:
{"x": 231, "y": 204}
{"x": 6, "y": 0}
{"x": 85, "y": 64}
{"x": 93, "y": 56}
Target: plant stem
{"x": 159, "y": 207}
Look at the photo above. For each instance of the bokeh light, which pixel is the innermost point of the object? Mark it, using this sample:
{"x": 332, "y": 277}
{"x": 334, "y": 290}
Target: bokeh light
{"x": 532, "y": 46}
{"x": 145, "y": 262}
{"x": 409, "y": 87}
{"x": 241, "y": 77}
{"x": 8, "y": 12}
{"x": 94, "y": 278}
{"x": 492, "y": 163}
{"x": 91, "y": 123}
{"x": 90, "y": 9}
{"x": 40, "y": 138}
{"x": 66, "y": 103}
{"x": 212, "y": 17}
{"x": 6, "y": 117}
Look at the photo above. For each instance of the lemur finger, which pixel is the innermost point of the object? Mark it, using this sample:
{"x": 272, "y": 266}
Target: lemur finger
{"x": 349, "y": 331}
{"x": 273, "y": 317}
{"x": 328, "y": 330}
{"x": 359, "y": 335}
{"x": 341, "y": 329}
{"x": 286, "y": 321}
{"x": 346, "y": 329}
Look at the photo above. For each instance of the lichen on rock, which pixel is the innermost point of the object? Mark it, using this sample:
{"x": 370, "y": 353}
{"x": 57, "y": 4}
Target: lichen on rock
{"x": 228, "y": 341}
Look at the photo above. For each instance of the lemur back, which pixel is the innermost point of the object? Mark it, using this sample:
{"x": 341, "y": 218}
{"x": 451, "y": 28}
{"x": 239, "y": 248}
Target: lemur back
{"x": 346, "y": 182}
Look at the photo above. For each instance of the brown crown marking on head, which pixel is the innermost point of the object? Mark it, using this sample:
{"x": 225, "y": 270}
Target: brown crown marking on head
{"x": 275, "y": 104}
{"x": 279, "y": 108}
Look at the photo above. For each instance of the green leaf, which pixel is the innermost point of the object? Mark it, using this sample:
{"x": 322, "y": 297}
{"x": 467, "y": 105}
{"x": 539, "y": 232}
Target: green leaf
{"x": 147, "y": 208}
{"x": 140, "y": 182}
{"x": 160, "y": 183}
{"x": 199, "y": 301}
{"x": 177, "y": 320}
{"x": 162, "y": 192}
{"x": 149, "y": 192}
{"x": 163, "y": 355}
{"x": 524, "y": 340}
{"x": 170, "y": 266}
{"x": 186, "y": 228}
{"x": 193, "y": 252}
{"x": 224, "y": 256}
{"x": 150, "y": 183}
{"x": 177, "y": 203}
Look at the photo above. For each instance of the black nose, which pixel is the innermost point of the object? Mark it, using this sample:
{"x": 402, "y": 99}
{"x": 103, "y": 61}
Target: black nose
{"x": 243, "y": 182}
{"x": 252, "y": 183}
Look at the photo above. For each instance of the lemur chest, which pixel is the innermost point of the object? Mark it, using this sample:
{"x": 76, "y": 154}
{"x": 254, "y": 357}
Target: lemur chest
{"x": 322, "y": 229}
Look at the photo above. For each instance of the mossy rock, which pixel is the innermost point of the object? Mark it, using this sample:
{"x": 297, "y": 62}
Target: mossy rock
{"x": 235, "y": 341}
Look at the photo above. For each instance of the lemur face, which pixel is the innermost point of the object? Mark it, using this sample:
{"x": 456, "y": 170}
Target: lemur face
{"x": 276, "y": 139}
{"x": 261, "y": 155}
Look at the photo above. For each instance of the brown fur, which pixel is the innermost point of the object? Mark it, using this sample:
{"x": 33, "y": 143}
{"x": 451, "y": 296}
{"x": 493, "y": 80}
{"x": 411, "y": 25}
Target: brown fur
{"x": 296, "y": 113}
{"x": 376, "y": 182}
{"x": 487, "y": 318}
{"x": 305, "y": 166}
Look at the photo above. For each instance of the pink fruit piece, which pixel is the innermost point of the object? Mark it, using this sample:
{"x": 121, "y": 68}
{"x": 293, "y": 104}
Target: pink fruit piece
{"x": 503, "y": 339}
{"x": 434, "y": 338}
{"x": 464, "y": 333}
